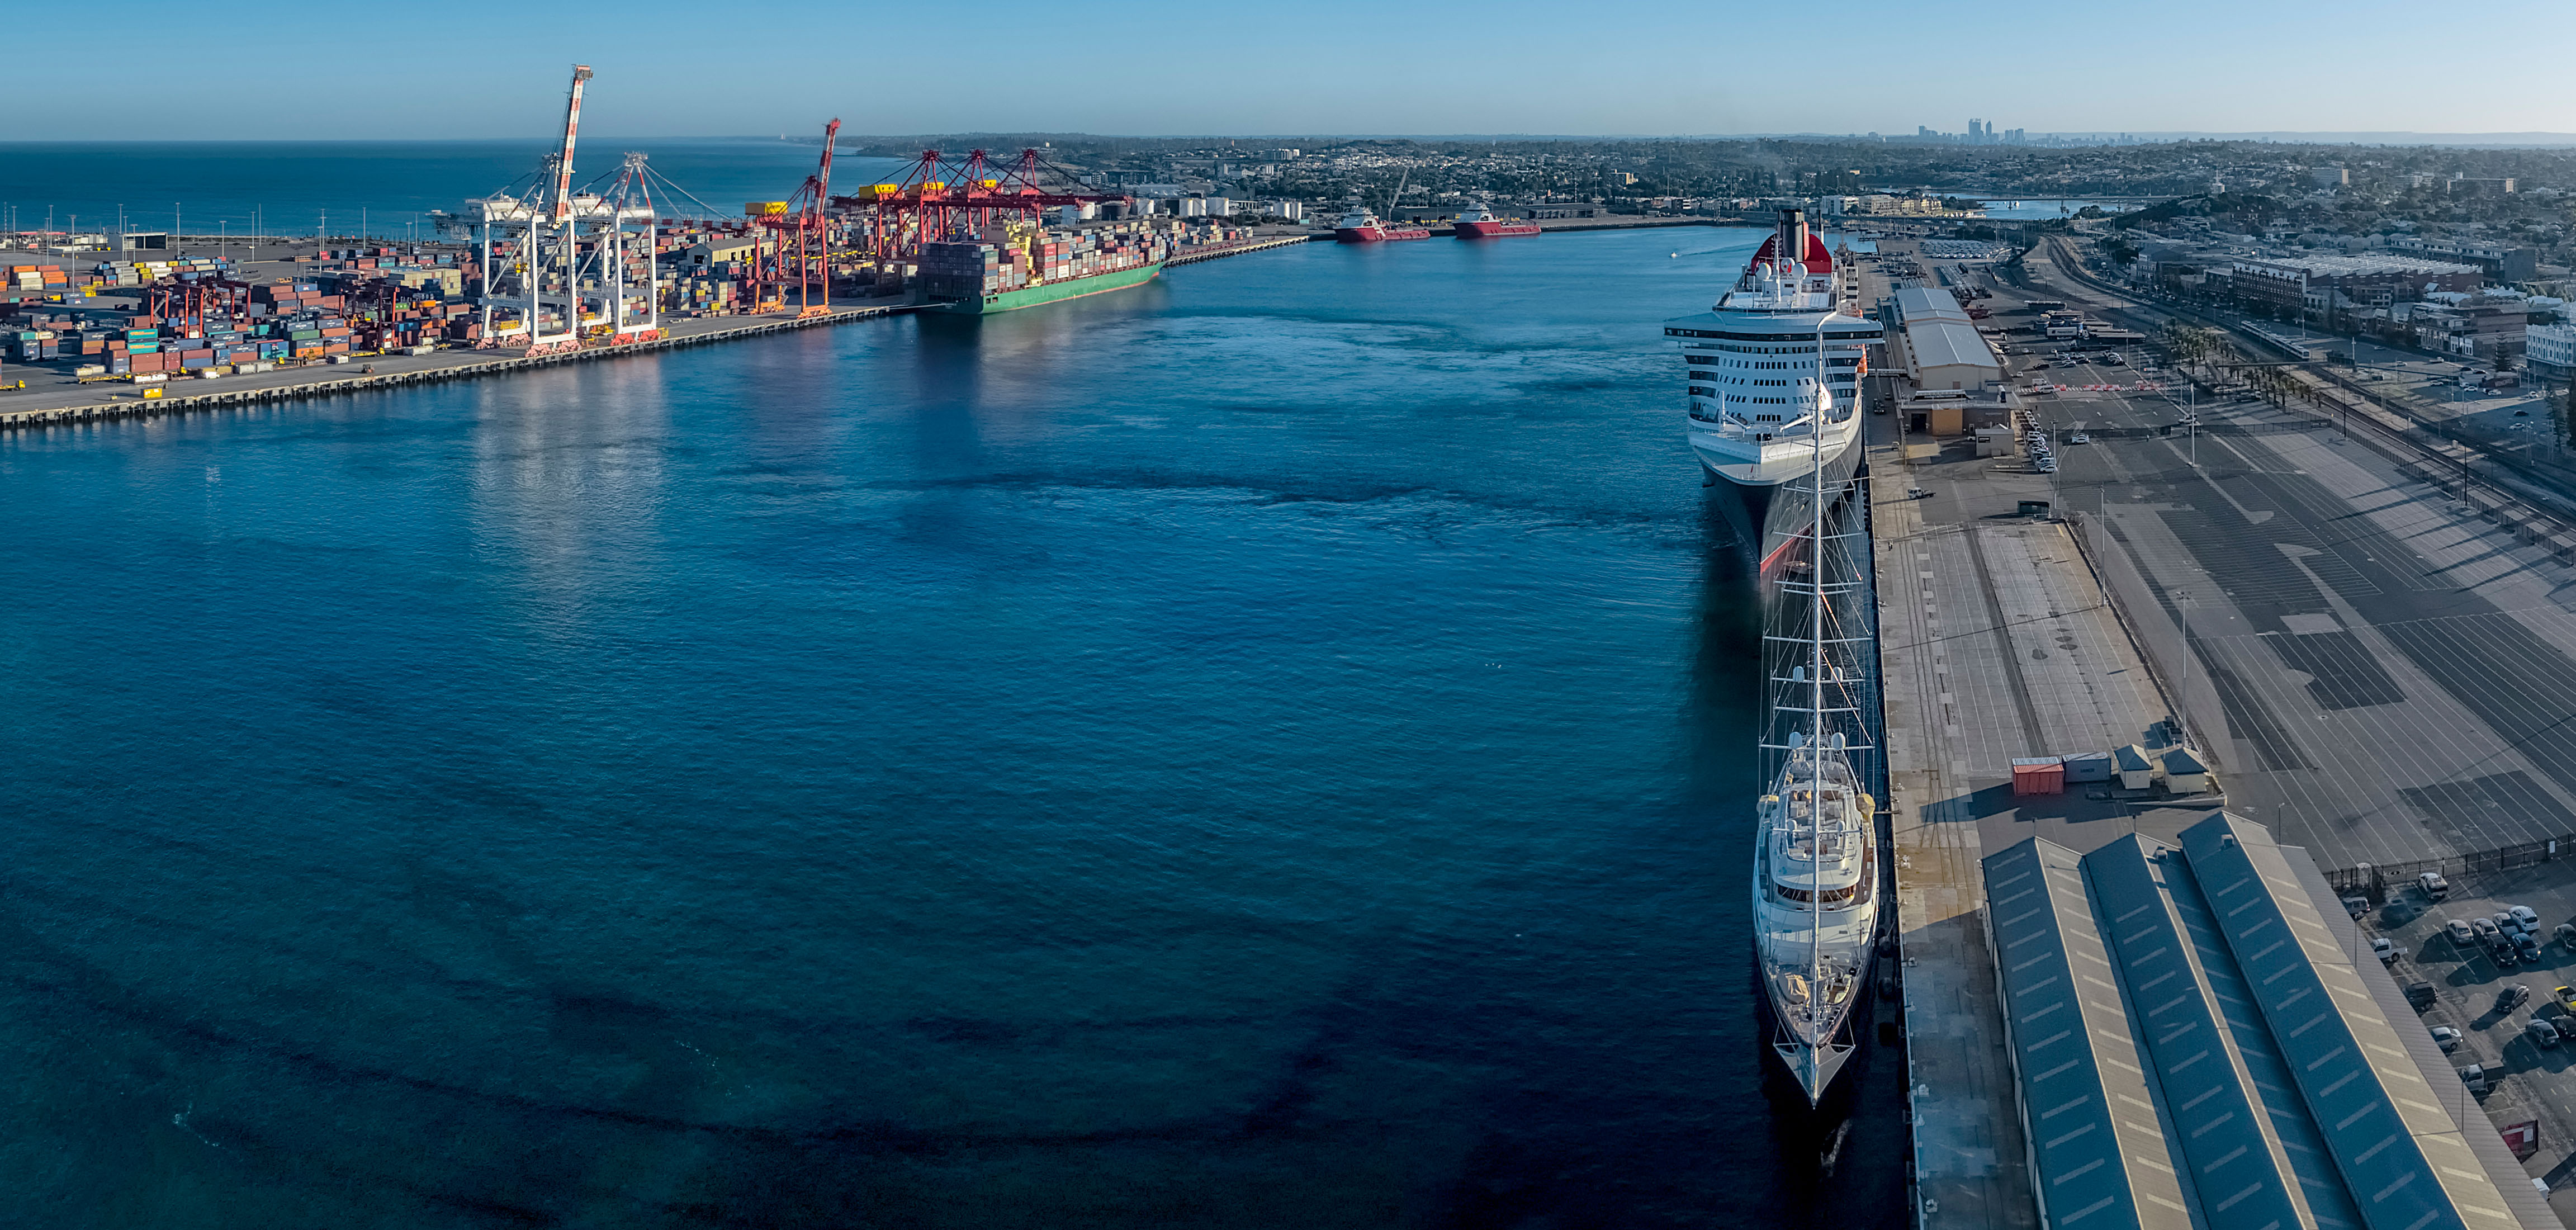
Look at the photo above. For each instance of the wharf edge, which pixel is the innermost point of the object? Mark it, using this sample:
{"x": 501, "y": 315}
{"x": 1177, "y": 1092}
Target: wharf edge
{"x": 157, "y": 407}
{"x": 167, "y": 406}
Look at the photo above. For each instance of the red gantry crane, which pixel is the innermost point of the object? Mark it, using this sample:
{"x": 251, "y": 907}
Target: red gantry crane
{"x": 802, "y": 215}
{"x": 936, "y": 200}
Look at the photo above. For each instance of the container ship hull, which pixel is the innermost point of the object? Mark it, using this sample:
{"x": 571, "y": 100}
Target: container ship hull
{"x": 1053, "y": 292}
{"x": 1495, "y": 230}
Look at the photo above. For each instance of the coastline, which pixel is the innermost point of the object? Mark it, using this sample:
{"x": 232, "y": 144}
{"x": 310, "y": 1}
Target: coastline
{"x": 45, "y": 406}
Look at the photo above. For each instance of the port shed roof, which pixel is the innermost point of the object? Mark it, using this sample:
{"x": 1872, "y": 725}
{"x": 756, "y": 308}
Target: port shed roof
{"x": 2097, "y": 1141}
{"x": 2407, "y": 1161}
{"x": 1926, "y": 303}
{"x": 2266, "y": 1083}
{"x": 1940, "y": 343}
{"x": 2252, "y": 1154}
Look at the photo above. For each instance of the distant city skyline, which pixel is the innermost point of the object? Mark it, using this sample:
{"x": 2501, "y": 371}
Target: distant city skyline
{"x": 1626, "y": 67}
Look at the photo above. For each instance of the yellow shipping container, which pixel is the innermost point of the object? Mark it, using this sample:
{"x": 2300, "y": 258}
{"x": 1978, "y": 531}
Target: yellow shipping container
{"x": 764, "y": 209}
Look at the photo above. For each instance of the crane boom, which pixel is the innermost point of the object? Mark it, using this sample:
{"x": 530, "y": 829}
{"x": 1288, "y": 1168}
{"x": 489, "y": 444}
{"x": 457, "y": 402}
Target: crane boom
{"x": 572, "y": 127}
{"x": 823, "y": 178}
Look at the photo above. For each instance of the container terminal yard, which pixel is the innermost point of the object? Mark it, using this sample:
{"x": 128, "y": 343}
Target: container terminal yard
{"x": 2130, "y": 612}
{"x": 627, "y": 261}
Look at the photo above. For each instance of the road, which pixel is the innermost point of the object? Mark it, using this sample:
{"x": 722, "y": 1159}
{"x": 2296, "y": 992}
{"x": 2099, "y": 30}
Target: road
{"x": 2502, "y": 440}
{"x": 2396, "y": 674}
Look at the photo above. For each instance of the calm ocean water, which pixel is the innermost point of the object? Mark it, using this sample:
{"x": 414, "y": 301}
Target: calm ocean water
{"x": 388, "y": 188}
{"x": 1267, "y": 749}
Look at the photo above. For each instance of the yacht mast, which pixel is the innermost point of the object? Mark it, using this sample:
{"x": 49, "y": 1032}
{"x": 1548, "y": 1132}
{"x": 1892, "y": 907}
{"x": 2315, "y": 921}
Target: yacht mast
{"x": 1817, "y": 406}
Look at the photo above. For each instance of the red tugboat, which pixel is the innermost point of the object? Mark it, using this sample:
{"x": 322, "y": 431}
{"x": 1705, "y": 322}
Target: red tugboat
{"x": 1361, "y": 226}
{"x": 1480, "y": 223}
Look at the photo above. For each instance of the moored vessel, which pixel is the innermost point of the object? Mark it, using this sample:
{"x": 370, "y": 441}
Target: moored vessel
{"x": 1364, "y": 226}
{"x": 1015, "y": 266}
{"x": 1481, "y": 223}
{"x": 1816, "y": 872}
{"x": 1752, "y": 364}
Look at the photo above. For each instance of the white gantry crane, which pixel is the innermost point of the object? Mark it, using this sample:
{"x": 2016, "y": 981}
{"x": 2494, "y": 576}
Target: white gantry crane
{"x": 558, "y": 258}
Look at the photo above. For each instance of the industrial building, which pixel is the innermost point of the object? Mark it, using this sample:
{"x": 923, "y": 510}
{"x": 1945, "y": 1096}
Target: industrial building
{"x": 2286, "y": 283}
{"x": 2506, "y": 263}
{"x": 1943, "y": 349}
{"x": 2551, "y": 350}
{"x": 2470, "y": 328}
{"x": 2194, "y": 1045}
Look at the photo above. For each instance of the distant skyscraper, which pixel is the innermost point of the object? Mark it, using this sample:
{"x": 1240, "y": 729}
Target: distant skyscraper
{"x": 1976, "y": 132}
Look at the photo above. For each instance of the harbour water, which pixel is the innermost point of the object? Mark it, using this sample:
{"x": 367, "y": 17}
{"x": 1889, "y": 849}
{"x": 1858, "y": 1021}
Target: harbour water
{"x": 388, "y": 188}
{"x": 1270, "y": 748}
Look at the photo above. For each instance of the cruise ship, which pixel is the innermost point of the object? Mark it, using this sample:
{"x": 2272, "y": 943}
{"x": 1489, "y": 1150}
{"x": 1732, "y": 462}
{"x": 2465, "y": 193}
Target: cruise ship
{"x": 1816, "y": 870}
{"x": 1754, "y": 364}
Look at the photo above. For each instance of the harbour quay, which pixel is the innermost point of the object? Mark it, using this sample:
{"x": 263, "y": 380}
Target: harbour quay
{"x": 48, "y": 393}
{"x": 2164, "y": 675}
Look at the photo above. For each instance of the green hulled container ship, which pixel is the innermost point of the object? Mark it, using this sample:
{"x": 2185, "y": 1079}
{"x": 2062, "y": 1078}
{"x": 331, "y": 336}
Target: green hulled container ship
{"x": 1050, "y": 292}
{"x": 1016, "y": 266}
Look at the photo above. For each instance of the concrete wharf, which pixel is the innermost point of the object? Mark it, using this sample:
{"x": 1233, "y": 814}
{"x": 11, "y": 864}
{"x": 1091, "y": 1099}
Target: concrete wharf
{"x": 41, "y": 405}
{"x": 2376, "y": 670}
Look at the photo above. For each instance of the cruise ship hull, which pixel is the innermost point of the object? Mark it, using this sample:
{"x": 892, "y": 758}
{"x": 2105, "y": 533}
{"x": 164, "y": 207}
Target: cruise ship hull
{"x": 1768, "y": 506}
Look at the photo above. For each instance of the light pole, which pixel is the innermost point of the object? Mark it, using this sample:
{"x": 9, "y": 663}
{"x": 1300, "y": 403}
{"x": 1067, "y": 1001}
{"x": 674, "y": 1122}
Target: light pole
{"x": 2182, "y": 603}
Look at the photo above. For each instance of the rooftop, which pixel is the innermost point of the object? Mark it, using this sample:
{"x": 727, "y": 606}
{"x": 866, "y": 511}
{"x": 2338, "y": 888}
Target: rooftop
{"x": 2234, "y": 1064}
{"x": 1942, "y": 343}
{"x": 2350, "y": 266}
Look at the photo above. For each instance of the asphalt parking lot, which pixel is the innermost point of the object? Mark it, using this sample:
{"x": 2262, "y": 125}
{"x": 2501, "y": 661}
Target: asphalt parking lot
{"x": 2528, "y": 1081}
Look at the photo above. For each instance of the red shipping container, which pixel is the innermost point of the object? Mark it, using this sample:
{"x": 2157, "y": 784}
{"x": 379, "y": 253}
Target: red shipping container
{"x": 2039, "y": 775}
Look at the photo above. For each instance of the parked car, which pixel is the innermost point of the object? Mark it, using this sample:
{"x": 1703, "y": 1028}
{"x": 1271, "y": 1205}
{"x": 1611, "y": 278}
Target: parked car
{"x": 2566, "y": 997}
{"x": 2501, "y": 952}
{"x": 2420, "y": 995}
{"x": 2385, "y": 949}
{"x": 2524, "y": 918}
{"x": 2541, "y": 1032}
{"x": 2475, "y": 1077}
{"x": 2445, "y": 1037}
{"x": 2525, "y": 947}
{"x": 2511, "y": 997}
{"x": 2504, "y": 923}
{"x": 2434, "y": 886}
{"x": 2485, "y": 930}
{"x": 2459, "y": 934}
{"x": 2567, "y": 934}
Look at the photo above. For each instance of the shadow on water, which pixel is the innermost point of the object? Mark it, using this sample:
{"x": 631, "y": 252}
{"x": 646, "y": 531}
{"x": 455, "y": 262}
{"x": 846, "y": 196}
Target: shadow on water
{"x": 1839, "y": 1163}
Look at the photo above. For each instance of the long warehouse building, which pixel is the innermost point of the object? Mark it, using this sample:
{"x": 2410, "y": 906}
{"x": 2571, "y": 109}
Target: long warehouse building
{"x": 2195, "y": 1045}
{"x": 1943, "y": 349}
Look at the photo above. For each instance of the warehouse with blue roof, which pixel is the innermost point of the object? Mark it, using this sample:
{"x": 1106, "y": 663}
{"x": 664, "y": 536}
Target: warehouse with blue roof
{"x": 2196, "y": 1046}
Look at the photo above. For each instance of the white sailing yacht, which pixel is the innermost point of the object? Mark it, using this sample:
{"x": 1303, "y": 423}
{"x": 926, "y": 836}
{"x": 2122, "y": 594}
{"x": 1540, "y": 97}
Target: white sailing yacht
{"x": 1815, "y": 857}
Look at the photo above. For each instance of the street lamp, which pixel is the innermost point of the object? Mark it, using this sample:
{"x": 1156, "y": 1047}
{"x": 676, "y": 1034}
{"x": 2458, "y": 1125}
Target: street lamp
{"x": 2182, "y": 603}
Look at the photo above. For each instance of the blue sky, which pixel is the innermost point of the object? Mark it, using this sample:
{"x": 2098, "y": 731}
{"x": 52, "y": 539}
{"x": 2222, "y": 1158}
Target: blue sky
{"x": 469, "y": 69}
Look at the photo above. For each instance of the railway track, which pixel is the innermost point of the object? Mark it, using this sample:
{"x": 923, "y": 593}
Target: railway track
{"x": 2337, "y": 400}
